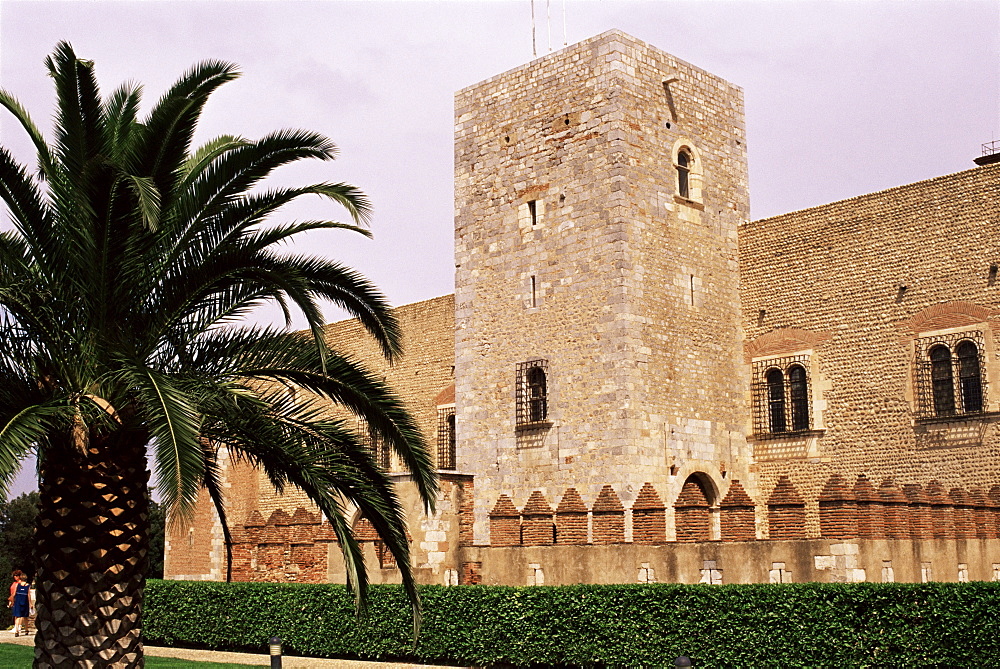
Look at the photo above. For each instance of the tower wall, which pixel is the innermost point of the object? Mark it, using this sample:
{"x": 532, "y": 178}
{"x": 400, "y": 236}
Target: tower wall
{"x": 574, "y": 247}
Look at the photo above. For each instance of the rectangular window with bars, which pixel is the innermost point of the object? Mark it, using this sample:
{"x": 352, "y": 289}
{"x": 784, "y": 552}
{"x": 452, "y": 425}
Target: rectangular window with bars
{"x": 376, "y": 445}
{"x": 446, "y": 456}
{"x": 782, "y": 396}
{"x": 950, "y": 375}
{"x": 532, "y": 400}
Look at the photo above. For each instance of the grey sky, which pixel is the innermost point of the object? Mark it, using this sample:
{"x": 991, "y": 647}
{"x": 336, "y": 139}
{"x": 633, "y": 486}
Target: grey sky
{"x": 842, "y": 98}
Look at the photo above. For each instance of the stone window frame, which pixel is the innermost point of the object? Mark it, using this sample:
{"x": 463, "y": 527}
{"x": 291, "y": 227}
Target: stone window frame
{"x": 532, "y": 408}
{"x": 930, "y": 402}
{"x": 694, "y": 171}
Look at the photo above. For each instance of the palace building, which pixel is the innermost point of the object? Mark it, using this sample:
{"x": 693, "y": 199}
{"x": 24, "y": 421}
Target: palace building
{"x": 633, "y": 382}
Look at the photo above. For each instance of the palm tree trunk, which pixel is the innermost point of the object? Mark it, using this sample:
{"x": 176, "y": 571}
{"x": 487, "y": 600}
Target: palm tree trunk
{"x": 92, "y": 546}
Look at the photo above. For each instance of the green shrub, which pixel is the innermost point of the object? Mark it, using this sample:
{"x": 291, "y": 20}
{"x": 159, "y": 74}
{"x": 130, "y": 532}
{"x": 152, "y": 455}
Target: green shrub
{"x": 809, "y": 624}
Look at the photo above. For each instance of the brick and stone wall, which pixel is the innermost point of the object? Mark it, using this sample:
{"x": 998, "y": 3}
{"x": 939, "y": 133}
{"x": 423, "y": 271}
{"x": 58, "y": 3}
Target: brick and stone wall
{"x": 856, "y": 283}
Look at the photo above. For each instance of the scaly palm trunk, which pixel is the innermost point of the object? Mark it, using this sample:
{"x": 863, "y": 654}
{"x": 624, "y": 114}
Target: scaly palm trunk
{"x": 92, "y": 545}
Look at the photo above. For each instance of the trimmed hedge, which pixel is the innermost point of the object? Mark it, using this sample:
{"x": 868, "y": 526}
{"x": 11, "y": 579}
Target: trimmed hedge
{"x": 809, "y": 624}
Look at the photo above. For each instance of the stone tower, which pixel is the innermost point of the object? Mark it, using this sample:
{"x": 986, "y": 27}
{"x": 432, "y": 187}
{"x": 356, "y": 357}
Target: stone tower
{"x": 598, "y": 191}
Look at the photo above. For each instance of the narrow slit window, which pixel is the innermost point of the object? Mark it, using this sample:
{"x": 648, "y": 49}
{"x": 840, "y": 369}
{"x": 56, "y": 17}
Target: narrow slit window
{"x": 533, "y": 212}
{"x": 683, "y": 167}
{"x": 534, "y": 292}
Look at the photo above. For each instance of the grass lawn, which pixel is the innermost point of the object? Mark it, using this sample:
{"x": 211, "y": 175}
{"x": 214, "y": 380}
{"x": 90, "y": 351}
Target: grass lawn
{"x": 13, "y": 655}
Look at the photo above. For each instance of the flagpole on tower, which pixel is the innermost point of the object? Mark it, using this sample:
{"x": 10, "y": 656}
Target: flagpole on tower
{"x": 534, "y": 50}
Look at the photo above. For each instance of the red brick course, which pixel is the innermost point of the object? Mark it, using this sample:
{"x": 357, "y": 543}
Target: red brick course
{"x": 737, "y": 516}
{"x": 921, "y": 521}
{"x": 571, "y": 519}
{"x": 871, "y": 511}
{"x": 537, "y": 526}
{"x": 786, "y": 512}
{"x": 609, "y": 518}
{"x": 505, "y": 523}
{"x": 942, "y": 511}
{"x": 649, "y": 517}
{"x": 896, "y": 510}
{"x": 838, "y": 513}
{"x": 691, "y": 513}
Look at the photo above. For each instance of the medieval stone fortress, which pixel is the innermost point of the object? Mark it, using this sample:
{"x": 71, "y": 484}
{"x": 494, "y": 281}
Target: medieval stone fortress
{"x": 634, "y": 383}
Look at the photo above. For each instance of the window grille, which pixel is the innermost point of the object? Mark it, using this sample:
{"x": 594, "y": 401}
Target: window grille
{"x": 532, "y": 392}
{"x": 375, "y": 444}
{"x": 446, "y": 438}
{"x": 949, "y": 373}
{"x": 782, "y": 400}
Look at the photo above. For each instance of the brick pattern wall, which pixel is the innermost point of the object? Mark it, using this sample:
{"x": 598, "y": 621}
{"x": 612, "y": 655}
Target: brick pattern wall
{"x": 876, "y": 272}
{"x": 786, "y": 512}
{"x": 649, "y": 517}
{"x": 505, "y": 523}
{"x": 608, "y": 518}
{"x": 896, "y": 509}
{"x": 571, "y": 519}
{"x": 871, "y": 512}
{"x": 691, "y": 513}
{"x": 471, "y": 573}
{"x": 838, "y": 513}
{"x": 285, "y": 548}
{"x": 737, "y": 515}
{"x": 537, "y": 525}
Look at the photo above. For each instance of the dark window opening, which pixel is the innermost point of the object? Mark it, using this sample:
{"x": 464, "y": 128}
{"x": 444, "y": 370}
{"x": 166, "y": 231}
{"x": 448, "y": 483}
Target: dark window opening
{"x": 683, "y": 174}
{"x": 776, "y": 400}
{"x": 942, "y": 383}
{"x": 376, "y": 445}
{"x": 950, "y": 375}
{"x": 446, "y": 441}
{"x": 969, "y": 377}
{"x": 799, "y": 395}
{"x": 532, "y": 392}
{"x": 782, "y": 399}
{"x": 533, "y": 211}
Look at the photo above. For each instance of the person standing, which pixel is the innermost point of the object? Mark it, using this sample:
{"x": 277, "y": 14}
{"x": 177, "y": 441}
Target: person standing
{"x": 19, "y": 602}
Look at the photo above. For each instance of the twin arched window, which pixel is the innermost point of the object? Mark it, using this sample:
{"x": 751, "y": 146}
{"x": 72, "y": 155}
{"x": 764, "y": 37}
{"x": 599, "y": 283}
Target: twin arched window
{"x": 947, "y": 398}
{"x": 787, "y": 399}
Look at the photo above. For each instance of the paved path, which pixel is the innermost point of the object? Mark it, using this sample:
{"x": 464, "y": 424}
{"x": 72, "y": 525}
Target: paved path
{"x": 288, "y": 662}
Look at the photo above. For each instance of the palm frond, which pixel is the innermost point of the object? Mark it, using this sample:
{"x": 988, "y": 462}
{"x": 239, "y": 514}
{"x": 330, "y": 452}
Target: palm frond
{"x": 175, "y": 426}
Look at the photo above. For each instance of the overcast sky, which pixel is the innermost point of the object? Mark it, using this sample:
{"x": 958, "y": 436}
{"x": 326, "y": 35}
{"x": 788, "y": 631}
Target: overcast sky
{"x": 842, "y": 98}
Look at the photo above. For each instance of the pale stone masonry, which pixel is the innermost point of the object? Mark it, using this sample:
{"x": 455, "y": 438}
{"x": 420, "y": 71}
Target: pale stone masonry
{"x": 634, "y": 383}
{"x": 626, "y": 289}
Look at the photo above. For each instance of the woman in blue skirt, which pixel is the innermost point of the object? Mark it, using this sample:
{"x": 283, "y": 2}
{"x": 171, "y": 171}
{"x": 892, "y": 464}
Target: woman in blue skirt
{"x": 20, "y": 604}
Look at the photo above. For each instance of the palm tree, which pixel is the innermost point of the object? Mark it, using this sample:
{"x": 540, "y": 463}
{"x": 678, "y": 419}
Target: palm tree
{"x": 131, "y": 262}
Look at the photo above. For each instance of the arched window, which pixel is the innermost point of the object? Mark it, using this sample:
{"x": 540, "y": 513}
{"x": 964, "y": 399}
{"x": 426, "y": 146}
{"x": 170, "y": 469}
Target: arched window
{"x": 683, "y": 167}
{"x": 969, "y": 377}
{"x": 798, "y": 390}
{"x": 776, "y": 400}
{"x": 537, "y": 409}
{"x": 942, "y": 381}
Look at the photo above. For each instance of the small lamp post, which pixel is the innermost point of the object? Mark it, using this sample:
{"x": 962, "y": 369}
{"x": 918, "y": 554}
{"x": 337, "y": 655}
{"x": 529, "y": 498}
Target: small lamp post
{"x": 275, "y": 644}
